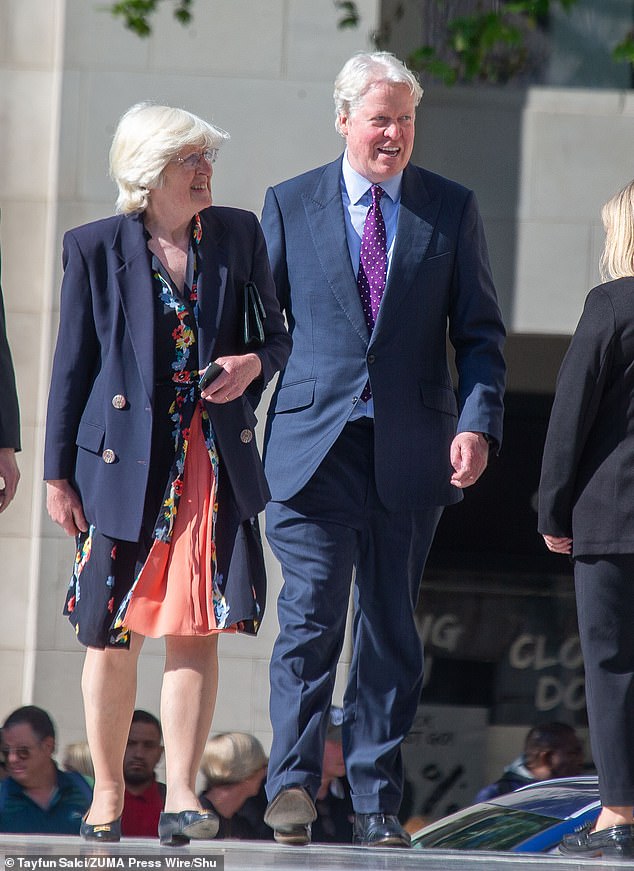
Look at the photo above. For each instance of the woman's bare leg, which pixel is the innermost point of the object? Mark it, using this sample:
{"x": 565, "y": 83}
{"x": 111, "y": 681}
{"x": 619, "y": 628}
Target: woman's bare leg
{"x": 614, "y": 816}
{"x": 188, "y": 698}
{"x": 109, "y": 688}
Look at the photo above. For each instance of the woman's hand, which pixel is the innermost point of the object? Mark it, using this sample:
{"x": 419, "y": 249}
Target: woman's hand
{"x": 558, "y": 545}
{"x": 239, "y": 372}
{"x": 64, "y": 506}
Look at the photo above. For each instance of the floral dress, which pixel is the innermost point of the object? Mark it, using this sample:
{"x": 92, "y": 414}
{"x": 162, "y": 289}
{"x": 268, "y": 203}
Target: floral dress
{"x": 169, "y": 582}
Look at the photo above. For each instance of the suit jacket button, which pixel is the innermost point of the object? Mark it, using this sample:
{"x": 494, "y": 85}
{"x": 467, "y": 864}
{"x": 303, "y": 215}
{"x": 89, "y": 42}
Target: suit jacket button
{"x": 371, "y": 358}
{"x": 119, "y": 401}
{"x": 108, "y": 456}
{"x": 245, "y": 436}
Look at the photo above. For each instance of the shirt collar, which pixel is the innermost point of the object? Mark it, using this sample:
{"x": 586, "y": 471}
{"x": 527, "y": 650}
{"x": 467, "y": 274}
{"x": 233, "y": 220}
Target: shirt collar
{"x": 357, "y": 185}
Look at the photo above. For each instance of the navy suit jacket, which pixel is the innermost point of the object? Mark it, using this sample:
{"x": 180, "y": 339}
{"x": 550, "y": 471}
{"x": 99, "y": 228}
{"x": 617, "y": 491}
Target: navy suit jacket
{"x": 105, "y": 348}
{"x": 439, "y": 278}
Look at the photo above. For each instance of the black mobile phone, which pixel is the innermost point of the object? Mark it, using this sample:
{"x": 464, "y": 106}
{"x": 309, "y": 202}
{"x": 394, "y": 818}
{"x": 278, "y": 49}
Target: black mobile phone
{"x": 210, "y": 374}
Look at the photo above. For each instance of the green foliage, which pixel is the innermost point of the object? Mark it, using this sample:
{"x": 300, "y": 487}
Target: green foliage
{"x": 488, "y": 46}
{"x": 624, "y": 51}
{"x": 349, "y": 13}
{"x": 136, "y": 14}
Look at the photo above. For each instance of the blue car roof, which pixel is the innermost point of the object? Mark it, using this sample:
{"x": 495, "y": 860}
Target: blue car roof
{"x": 511, "y": 822}
{"x": 562, "y": 798}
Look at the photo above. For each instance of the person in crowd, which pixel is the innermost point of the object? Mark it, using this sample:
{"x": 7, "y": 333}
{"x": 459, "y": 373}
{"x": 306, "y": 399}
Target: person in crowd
{"x": 332, "y": 802}
{"x": 234, "y": 768}
{"x": 9, "y": 417}
{"x": 37, "y": 797}
{"x": 150, "y": 463}
{"x": 77, "y": 758}
{"x": 374, "y": 259}
{"x": 550, "y": 750}
{"x": 585, "y": 499}
{"x": 144, "y": 795}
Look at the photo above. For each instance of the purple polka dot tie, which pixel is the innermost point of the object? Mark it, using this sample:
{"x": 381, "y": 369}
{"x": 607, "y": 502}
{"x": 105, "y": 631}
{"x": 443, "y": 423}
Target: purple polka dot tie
{"x": 372, "y": 265}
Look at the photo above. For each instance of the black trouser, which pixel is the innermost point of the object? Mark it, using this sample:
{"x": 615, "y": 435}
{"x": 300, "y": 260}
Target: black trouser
{"x": 605, "y": 607}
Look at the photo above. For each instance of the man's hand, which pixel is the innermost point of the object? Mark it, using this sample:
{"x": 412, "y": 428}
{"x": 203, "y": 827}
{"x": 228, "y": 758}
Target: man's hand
{"x": 64, "y": 507}
{"x": 239, "y": 372}
{"x": 10, "y": 474}
{"x": 558, "y": 544}
{"x": 469, "y": 456}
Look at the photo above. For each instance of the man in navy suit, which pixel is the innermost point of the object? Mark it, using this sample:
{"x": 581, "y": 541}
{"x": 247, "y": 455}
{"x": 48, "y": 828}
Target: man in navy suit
{"x": 366, "y": 441}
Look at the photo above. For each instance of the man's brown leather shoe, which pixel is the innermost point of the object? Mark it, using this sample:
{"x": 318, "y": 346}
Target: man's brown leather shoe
{"x": 290, "y": 815}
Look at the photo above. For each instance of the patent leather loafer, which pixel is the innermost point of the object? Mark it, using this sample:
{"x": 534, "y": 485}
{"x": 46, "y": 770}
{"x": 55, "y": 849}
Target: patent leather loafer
{"x": 174, "y": 830}
{"x": 613, "y": 841}
{"x": 104, "y": 832}
{"x": 379, "y": 830}
{"x": 290, "y": 815}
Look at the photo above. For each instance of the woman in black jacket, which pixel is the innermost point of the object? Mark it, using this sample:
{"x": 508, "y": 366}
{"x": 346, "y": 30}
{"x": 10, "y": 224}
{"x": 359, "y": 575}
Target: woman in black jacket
{"x": 586, "y": 510}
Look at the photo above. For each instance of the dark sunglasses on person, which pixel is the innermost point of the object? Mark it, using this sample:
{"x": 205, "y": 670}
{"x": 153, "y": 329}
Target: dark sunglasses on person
{"x": 23, "y": 752}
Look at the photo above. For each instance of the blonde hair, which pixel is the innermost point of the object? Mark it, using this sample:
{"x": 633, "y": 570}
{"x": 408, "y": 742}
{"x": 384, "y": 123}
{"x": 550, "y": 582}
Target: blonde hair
{"x": 77, "y": 758}
{"x": 147, "y": 137}
{"x": 364, "y": 70}
{"x": 231, "y": 758}
{"x": 617, "y": 259}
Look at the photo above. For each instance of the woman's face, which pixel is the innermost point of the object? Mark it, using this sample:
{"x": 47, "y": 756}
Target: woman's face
{"x": 186, "y": 184}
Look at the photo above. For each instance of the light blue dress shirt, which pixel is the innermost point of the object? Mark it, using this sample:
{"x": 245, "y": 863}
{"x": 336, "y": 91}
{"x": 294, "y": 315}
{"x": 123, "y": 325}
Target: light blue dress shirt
{"x": 357, "y": 199}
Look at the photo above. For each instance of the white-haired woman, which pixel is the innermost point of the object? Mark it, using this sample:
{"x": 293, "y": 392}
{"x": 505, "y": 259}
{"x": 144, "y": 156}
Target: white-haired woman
{"x": 586, "y": 501}
{"x": 158, "y": 478}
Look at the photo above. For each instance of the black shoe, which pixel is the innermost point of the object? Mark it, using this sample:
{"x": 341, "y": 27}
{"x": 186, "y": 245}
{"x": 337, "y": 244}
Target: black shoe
{"x": 290, "y": 815}
{"x": 174, "y": 830}
{"x": 104, "y": 832}
{"x": 379, "y": 830}
{"x": 613, "y": 841}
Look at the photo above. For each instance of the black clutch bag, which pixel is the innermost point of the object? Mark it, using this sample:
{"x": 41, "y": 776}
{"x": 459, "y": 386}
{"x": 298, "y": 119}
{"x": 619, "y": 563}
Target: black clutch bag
{"x": 254, "y": 315}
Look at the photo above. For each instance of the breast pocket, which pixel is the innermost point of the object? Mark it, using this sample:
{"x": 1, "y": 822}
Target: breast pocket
{"x": 294, "y": 397}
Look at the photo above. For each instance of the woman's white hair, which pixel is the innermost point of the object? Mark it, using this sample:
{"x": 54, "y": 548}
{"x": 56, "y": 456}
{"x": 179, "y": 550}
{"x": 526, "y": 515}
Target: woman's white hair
{"x": 147, "y": 137}
{"x": 363, "y": 71}
{"x": 617, "y": 259}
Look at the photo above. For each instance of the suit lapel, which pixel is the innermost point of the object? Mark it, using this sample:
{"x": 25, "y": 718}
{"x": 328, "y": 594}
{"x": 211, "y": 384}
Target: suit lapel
{"x": 417, "y": 218}
{"x": 213, "y": 269}
{"x": 134, "y": 281}
{"x": 324, "y": 214}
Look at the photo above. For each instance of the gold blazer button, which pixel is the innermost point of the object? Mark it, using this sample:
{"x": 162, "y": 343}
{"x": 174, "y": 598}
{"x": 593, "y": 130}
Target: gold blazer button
{"x": 108, "y": 456}
{"x": 245, "y": 436}
{"x": 119, "y": 401}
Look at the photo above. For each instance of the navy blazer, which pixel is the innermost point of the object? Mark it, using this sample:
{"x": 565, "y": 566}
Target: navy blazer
{"x": 586, "y": 490}
{"x": 105, "y": 349}
{"x": 439, "y": 278}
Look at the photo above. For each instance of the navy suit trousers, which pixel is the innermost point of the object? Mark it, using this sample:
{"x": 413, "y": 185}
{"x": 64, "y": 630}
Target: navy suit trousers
{"x": 335, "y": 529}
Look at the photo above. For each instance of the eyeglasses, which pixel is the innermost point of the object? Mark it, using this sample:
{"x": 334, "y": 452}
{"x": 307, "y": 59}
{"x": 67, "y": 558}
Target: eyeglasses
{"x": 21, "y": 752}
{"x": 192, "y": 160}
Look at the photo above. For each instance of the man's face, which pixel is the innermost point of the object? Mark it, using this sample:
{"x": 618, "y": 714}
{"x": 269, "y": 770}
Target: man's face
{"x": 567, "y": 761}
{"x": 380, "y": 132}
{"x": 29, "y": 759}
{"x": 142, "y": 753}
